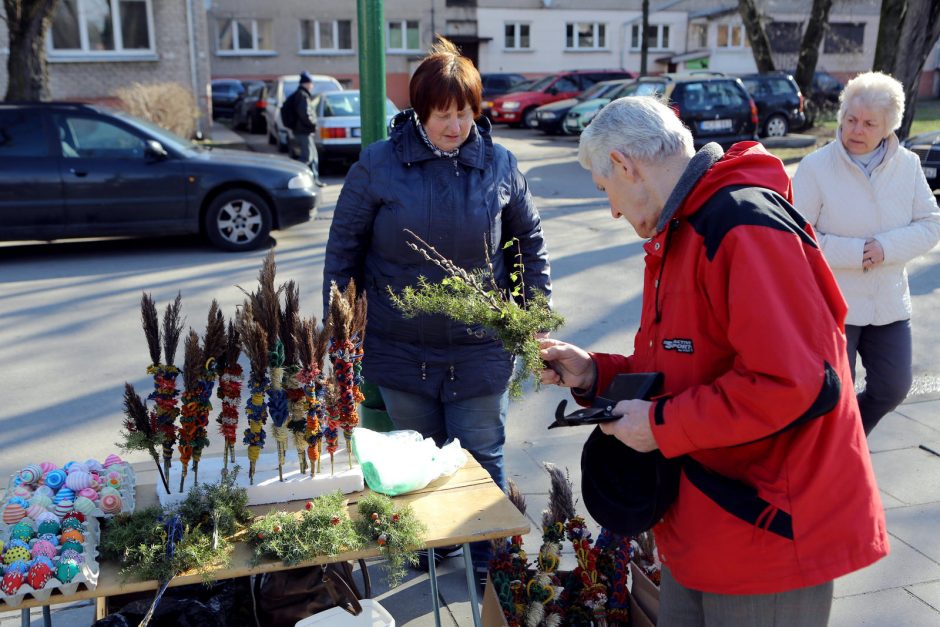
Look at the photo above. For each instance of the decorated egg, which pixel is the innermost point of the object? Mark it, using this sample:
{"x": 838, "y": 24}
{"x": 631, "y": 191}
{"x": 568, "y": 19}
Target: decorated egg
{"x": 89, "y": 493}
{"x": 84, "y": 505}
{"x": 55, "y": 479}
{"x": 112, "y": 460}
{"x": 111, "y": 504}
{"x": 2, "y": 546}
{"x": 78, "y": 480}
{"x": 19, "y": 565}
{"x": 51, "y": 538}
{"x": 13, "y": 513}
{"x": 66, "y": 571}
{"x": 46, "y": 467}
{"x": 47, "y": 517}
{"x": 22, "y": 491}
{"x": 114, "y": 479}
{"x": 23, "y": 531}
{"x": 32, "y": 474}
{"x": 43, "y": 548}
{"x": 71, "y": 466}
{"x": 16, "y": 553}
{"x": 39, "y": 574}
{"x": 19, "y": 500}
{"x": 93, "y": 465}
{"x": 43, "y": 500}
{"x": 80, "y": 517}
{"x": 44, "y": 491}
{"x": 64, "y": 494}
{"x": 73, "y": 546}
{"x": 75, "y": 556}
{"x": 12, "y": 580}
{"x": 63, "y": 507}
{"x": 73, "y": 523}
{"x": 72, "y": 534}
{"x": 35, "y": 511}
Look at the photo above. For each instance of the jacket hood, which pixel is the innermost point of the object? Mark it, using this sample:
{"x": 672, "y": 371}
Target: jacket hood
{"x": 408, "y": 146}
{"x": 745, "y": 163}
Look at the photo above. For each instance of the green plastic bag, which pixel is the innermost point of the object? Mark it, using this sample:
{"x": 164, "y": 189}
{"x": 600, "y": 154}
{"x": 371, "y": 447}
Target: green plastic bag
{"x": 397, "y": 462}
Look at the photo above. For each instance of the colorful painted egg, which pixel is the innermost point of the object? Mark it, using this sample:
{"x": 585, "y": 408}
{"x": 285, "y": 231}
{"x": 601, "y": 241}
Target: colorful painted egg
{"x": 73, "y": 523}
{"x": 72, "y": 534}
{"x": 13, "y": 513}
{"x": 15, "y": 554}
{"x": 31, "y": 474}
{"x": 52, "y": 539}
{"x": 43, "y": 500}
{"x": 75, "y": 556}
{"x": 12, "y": 580}
{"x": 78, "y": 480}
{"x": 71, "y": 466}
{"x": 63, "y": 507}
{"x": 35, "y": 511}
{"x": 23, "y": 531}
{"x": 39, "y": 575}
{"x": 114, "y": 479}
{"x": 73, "y": 546}
{"x": 80, "y": 517}
{"x": 49, "y": 526}
{"x": 44, "y": 490}
{"x": 112, "y": 460}
{"x": 55, "y": 479}
{"x": 111, "y": 504}
{"x": 93, "y": 465}
{"x": 22, "y": 491}
{"x": 66, "y": 571}
{"x": 84, "y": 505}
{"x": 64, "y": 494}
{"x": 43, "y": 548}
{"x": 89, "y": 493}
{"x": 46, "y": 467}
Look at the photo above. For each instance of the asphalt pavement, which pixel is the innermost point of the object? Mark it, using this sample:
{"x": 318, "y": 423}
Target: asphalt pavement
{"x": 71, "y": 314}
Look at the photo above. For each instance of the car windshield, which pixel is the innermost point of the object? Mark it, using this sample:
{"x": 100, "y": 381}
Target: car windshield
{"x": 165, "y": 137}
{"x": 542, "y": 83}
{"x": 290, "y": 87}
{"x": 648, "y": 89}
{"x": 598, "y": 90}
{"x": 347, "y": 103}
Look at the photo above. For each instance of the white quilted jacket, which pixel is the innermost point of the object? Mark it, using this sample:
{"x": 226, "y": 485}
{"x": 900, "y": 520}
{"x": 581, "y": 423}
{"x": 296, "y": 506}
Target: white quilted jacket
{"x": 895, "y": 206}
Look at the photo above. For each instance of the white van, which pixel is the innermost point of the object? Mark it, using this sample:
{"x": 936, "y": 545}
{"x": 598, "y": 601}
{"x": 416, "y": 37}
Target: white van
{"x": 283, "y": 87}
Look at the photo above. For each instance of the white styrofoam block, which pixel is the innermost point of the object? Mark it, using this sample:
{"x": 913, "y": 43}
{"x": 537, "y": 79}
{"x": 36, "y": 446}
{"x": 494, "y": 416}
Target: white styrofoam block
{"x": 373, "y": 615}
{"x": 267, "y": 487}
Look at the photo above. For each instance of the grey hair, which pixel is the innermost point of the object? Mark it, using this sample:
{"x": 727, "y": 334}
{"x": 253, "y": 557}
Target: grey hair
{"x": 876, "y": 91}
{"x": 640, "y": 127}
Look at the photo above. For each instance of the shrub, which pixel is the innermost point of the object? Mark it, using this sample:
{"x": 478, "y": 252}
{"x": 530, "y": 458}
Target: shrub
{"x": 169, "y": 105}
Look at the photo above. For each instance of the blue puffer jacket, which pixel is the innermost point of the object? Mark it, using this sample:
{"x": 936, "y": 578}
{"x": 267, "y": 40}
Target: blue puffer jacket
{"x": 460, "y": 206}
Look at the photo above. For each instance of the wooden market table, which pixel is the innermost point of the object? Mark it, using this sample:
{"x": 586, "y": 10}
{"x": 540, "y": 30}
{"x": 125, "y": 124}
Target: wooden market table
{"x": 462, "y": 508}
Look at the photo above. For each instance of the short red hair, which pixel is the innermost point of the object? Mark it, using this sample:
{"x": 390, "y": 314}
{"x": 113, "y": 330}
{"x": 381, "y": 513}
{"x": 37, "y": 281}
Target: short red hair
{"x": 444, "y": 77}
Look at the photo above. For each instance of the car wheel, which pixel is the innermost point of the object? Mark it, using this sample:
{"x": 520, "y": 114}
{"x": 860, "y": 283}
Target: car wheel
{"x": 529, "y": 120}
{"x": 238, "y": 219}
{"x": 776, "y": 126}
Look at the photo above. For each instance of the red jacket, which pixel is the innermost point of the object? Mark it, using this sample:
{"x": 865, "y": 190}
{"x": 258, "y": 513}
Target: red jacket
{"x": 747, "y": 326}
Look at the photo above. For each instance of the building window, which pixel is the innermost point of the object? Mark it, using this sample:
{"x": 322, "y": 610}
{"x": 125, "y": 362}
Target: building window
{"x": 517, "y": 36}
{"x": 403, "y": 36}
{"x": 585, "y": 35}
{"x": 326, "y": 36}
{"x": 102, "y": 26}
{"x": 732, "y": 36}
{"x": 658, "y": 36}
{"x": 785, "y": 36}
{"x": 245, "y": 35}
{"x": 698, "y": 36}
{"x": 845, "y": 38}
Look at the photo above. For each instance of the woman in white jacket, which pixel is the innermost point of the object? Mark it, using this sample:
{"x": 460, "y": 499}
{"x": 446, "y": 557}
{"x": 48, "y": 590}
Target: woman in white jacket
{"x": 873, "y": 211}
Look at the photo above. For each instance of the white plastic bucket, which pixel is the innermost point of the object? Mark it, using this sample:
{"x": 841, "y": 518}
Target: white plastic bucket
{"x": 373, "y": 615}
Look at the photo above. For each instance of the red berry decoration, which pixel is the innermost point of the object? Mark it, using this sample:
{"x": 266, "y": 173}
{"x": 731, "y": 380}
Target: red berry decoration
{"x": 334, "y": 520}
{"x": 309, "y": 505}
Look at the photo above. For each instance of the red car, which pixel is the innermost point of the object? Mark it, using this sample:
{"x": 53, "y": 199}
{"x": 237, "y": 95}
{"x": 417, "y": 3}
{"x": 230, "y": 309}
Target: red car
{"x": 518, "y": 108}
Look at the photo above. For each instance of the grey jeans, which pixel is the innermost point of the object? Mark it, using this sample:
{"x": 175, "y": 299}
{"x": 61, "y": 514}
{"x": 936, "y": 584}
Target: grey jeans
{"x": 887, "y": 354}
{"x": 308, "y": 152}
{"x": 683, "y": 607}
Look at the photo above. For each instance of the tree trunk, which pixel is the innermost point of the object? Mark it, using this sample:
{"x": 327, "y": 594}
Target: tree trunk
{"x": 889, "y": 34}
{"x": 757, "y": 35}
{"x": 916, "y": 35}
{"x": 644, "y": 33}
{"x": 27, "y": 23}
{"x": 809, "y": 47}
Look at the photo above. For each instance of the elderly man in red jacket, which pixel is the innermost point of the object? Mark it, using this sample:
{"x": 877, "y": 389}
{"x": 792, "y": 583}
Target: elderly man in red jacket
{"x": 742, "y": 316}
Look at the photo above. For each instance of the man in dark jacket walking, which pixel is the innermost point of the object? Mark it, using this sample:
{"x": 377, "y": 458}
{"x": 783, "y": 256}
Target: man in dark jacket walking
{"x": 305, "y": 126}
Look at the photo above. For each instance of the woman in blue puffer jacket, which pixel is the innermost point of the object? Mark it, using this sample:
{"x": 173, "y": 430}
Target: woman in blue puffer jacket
{"x": 441, "y": 176}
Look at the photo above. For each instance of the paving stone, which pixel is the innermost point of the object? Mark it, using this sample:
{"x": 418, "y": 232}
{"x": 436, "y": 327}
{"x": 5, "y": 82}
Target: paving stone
{"x": 917, "y": 526}
{"x": 903, "y": 566}
{"x": 910, "y": 475}
{"x": 882, "y": 609}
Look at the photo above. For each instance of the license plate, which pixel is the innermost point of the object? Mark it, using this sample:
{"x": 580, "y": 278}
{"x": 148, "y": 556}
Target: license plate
{"x": 356, "y": 132}
{"x": 930, "y": 173}
{"x": 716, "y": 125}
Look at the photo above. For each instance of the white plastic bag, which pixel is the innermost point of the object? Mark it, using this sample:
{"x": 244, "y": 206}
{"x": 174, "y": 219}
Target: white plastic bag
{"x": 402, "y": 461}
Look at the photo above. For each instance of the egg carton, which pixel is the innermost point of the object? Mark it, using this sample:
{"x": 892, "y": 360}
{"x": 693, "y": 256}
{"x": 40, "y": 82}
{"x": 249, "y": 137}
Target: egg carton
{"x": 87, "y": 577}
{"x": 127, "y": 491}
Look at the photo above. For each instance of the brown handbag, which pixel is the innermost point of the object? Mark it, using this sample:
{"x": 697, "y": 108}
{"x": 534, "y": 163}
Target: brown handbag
{"x": 283, "y": 598}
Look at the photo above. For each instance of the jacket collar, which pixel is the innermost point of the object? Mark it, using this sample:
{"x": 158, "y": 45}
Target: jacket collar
{"x": 474, "y": 153}
{"x": 892, "y": 148}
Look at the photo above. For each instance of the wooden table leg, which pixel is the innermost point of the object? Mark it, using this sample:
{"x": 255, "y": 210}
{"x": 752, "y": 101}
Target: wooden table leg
{"x": 471, "y": 585}
{"x": 101, "y": 607}
{"x": 435, "y": 600}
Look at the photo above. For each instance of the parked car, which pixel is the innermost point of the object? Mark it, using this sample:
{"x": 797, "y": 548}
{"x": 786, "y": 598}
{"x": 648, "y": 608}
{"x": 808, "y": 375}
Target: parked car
{"x": 250, "y": 107}
{"x": 339, "y": 125}
{"x": 550, "y": 117}
{"x": 498, "y": 83}
{"x": 779, "y": 103}
{"x": 282, "y": 87}
{"x": 581, "y": 114}
{"x": 927, "y": 147}
{"x": 518, "y": 108}
{"x": 487, "y": 103}
{"x": 75, "y": 170}
{"x": 225, "y": 91}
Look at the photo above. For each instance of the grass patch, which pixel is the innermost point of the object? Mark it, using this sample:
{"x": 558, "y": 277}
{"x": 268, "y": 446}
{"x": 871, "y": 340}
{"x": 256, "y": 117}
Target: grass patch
{"x": 926, "y": 117}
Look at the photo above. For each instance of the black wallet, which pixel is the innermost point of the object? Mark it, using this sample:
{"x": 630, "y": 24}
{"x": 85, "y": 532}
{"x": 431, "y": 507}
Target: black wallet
{"x": 642, "y": 385}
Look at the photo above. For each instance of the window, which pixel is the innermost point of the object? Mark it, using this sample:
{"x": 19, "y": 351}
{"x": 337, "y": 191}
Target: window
{"x": 732, "y": 36}
{"x": 403, "y": 36}
{"x": 517, "y": 36}
{"x": 658, "y": 36}
{"x": 785, "y": 36}
{"x": 585, "y": 35}
{"x": 698, "y": 36}
{"x": 102, "y": 27}
{"x": 845, "y": 38}
{"x": 240, "y": 35}
{"x": 21, "y": 134}
{"x": 90, "y": 138}
{"x": 329, "y": 35}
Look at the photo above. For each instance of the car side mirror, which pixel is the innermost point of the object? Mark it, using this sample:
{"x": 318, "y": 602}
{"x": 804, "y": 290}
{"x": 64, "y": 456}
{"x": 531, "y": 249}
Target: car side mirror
{"x": 155, "y": 151}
